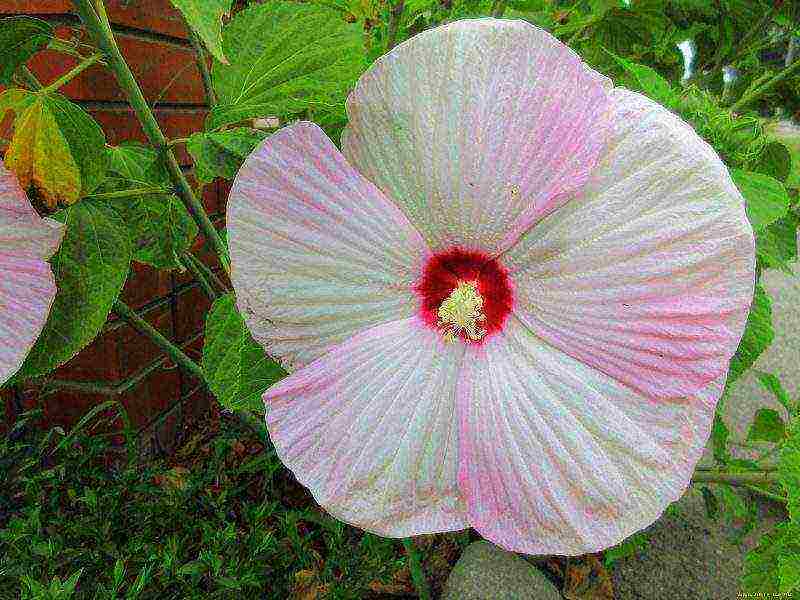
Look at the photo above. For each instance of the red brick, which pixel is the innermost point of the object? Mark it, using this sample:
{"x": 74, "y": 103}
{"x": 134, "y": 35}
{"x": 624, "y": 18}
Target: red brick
{"x": 151, "y": 396}
{"x": 165, "y": 72}
{"x": 191, "y": 313}
{"x": 151, "y": 15}
{"x": 144, "y": 284}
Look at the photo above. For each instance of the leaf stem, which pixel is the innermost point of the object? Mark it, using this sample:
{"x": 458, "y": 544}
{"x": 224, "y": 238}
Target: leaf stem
{"x": 762, "y": 89}
{"x": 70, "y": 75}
{"x": 417, "y": 574}
{"x": 209, "y": 274}
{"x": 176, "y": 354}
{"x": 199, "y": 276}
{"x": 394, "y": 23}
{"x": 202, "y": 65}
{"x": 498, "y": 8}
{"x": 131, "y": 193}
{"x": 106, "y": 43}
{"x": 767, "y": 494}
{"x": 749, "y": 477}
{"x": 29, "y": 78}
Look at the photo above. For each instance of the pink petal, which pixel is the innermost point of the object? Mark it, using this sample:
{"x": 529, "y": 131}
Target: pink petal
{"x": 477, "y": 129}
{"x": 27, "y": 286}
{"x": 557, "y": 458}
{"x": 370, "y": 429}
{"x": 647, "y": 275}
{"x": 318, "y": 253}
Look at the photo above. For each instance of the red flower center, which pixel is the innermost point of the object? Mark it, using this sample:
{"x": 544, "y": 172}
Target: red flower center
{"x": 445, "y": 271}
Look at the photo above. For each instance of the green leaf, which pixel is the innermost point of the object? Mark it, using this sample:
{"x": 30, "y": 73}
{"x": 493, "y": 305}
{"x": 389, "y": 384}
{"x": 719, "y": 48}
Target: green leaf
{"x": 773, "y": 385}
{"x": 776, "y": 244}
{"x": 758, "y": 335}
{"x": 648, "y": 81}
{"x": 205, "y": 17}
{"x": 788, "y": 573}
{"x": 775, "y": 161}
{"x": 20, "y": 38}
{"x": 628, "y": 547}
{"x": 161, "y": 228}
{"x": 90, "y": 269}
{"x": 767, "y": 200}
{"x": 762, "y": 565}
{"x": 221, "y": 154}
{"x": 789, "y": 469}
{"x": 237, "y": 368}
{"x": 767, "y": 426}
{"x": 285, "y": 58}
{"x": 719, "y": 438}
{"x": 711, "y": 502}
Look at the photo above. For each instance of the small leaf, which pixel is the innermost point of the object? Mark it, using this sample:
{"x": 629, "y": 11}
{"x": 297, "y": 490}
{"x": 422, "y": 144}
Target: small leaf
{"x": 237, "y": 367}
{"x": 767, "y": 200}
{"x": 285, "y": 58}
{"x": 711, "y": 502}
{"x": 90, "y": 269}
{"x": 630, "y": 546}
{"x": 647, "y": 80}
{"x": 767, "y": 426}
{"x": 789, "y": 469}
{"x": 776, "y": 244}
{"x": 20, "y": 38}
{"x": 205, "y": 17}
{"x": 56, "y": 146}
{"x": 161, "y": 228}
{"x": 39, "y": 155}
{"x": 719, "y": 438}
{"x": 221, "y": 154}
{"x": 758, "y": 335}
{"x": 788, "y": 573}
{"x": 775, "y": 161}
{"x": 773, "y": 385}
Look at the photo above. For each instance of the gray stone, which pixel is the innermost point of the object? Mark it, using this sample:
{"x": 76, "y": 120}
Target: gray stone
{"x": 691, "y": 556}
{"x": 486, "y": 572}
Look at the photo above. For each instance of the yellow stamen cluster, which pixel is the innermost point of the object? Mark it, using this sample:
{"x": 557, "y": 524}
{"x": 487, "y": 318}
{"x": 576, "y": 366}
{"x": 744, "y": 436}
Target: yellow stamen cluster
{"x": 461, "y": 311}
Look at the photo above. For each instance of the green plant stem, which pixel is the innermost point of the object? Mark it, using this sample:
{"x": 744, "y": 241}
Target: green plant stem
{"x": 70, "y": 75}
{"x": 29, "y": 78}
{"x": 106, "y": 43}
{"x": 498, "y": 8}
{"x": 202, "y": 65}
{"x": 131, "y": 193}
{"x": 767, "y": 494}
{"x": 750, "y": 477}
{"x": 417, "y": 574}
{"x": 199, "y": 276}
{"x": 176, "y": 142}
{"x": 170, "y": 349}
{"x": 762, "y": 89}
{"x": 394, "y": 23}
{"x": 209, "y": 274}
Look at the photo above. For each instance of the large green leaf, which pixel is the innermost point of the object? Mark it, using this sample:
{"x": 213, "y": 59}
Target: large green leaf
{"x": 762, "y": 573}
{"x": 758, "y": 335}
{"x": 205, "y": 17}
{"x": 776, "y": 244}
{"x": 220, "y": 154}
{"x": 767, "y": 200}
{"x": 160, "y": 226}
{"x": 236, "y": 366}
{"x": 20, "y": 38}
{"x": 90, "y": 269}
{"x": 284, "y": 59}
{"x": 789, "y": 468}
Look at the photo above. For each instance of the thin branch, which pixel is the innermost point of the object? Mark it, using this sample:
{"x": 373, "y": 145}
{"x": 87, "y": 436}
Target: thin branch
{"x": 170, "y": 349}
{"x": 767, "y": 494}
{"x": 199, "y": 276}
{"x": 498, "y": 8}
{"x": 750, "y": 477}
{"x": 210, "y": 275}
{"x": 106, "y": 43}
{"x": 131, "y": 193}
{"x": 70, "y": 75}
{"x": 765, "y": 87}
{"x": 202, "y": 65}
{"x": 394, "y": 23}
{"x": 417, "y": 574}
{"x": 30, "y": 79}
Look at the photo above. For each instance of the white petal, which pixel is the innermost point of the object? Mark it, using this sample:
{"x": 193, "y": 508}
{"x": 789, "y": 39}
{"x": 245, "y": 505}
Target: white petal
{"x": 370, "y": 429}
{"x": 318, "y": 253}
{"x": 558, "y": 458}
{"x": 647, "y": 275}
{"x": 477, "y": 128}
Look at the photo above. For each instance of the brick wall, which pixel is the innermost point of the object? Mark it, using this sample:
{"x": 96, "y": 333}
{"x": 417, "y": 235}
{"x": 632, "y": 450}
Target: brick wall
{"x": 153, "y": 38}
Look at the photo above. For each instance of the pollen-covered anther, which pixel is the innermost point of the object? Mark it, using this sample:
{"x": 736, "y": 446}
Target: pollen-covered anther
{"x": 461, "y": 311}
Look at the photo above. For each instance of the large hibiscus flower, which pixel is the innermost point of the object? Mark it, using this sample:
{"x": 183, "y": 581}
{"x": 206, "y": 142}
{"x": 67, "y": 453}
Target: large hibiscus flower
{"x": 510, "y": 305}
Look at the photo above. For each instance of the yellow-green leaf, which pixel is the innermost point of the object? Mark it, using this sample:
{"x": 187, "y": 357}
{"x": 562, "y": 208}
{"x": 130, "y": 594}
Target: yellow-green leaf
{"x": 39, "y": 154}
{"x": 205, "y": 17}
